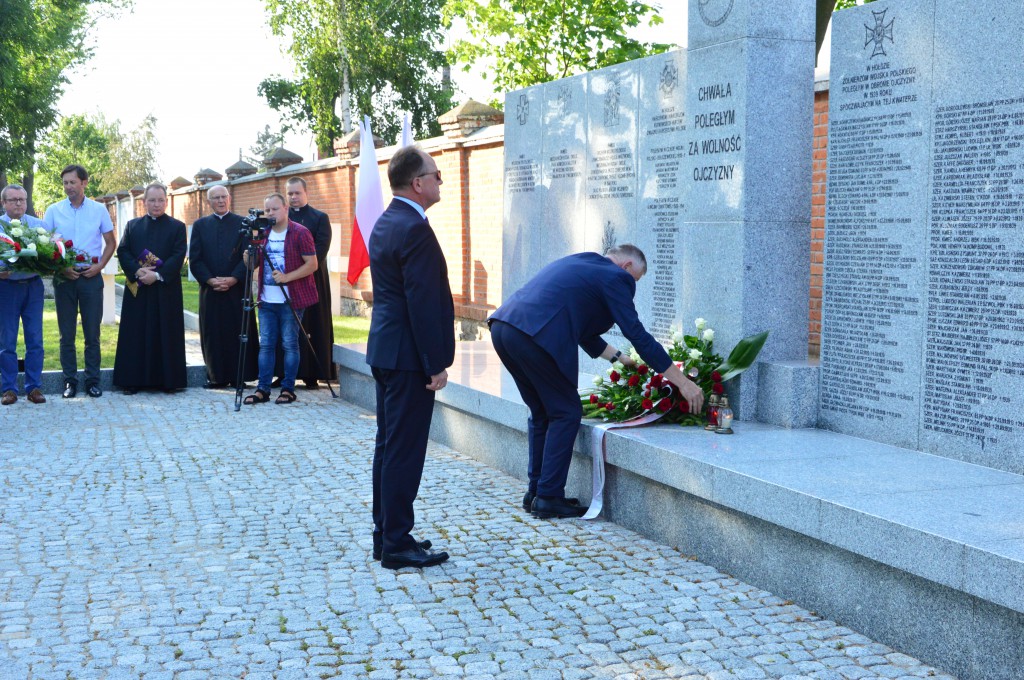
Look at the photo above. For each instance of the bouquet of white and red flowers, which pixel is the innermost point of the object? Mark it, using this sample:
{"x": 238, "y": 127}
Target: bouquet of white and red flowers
{"x": 35, "y": 250}
{"x": 627, "y": 392}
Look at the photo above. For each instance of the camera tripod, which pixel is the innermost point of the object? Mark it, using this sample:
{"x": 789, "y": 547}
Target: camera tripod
{"x": 256, "y": 251}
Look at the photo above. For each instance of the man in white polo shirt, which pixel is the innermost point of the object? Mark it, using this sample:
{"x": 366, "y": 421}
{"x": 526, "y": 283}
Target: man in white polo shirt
{"x": 87, "y": 224}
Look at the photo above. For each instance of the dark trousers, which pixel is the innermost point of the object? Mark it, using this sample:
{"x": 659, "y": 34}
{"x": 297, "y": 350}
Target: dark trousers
{"x": 404, "y": 409}
{"x": 554, "y": 403}
{"x": 70, "y": 297}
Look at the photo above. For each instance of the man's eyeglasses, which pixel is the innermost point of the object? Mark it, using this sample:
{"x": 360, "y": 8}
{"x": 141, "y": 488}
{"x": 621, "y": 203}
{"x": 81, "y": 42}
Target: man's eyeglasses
{"x": 14, "y": 200}
{"x": 435, "y": 173}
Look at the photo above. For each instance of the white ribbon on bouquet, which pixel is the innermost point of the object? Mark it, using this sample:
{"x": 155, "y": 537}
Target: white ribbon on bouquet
{"x": 598, "y": 454}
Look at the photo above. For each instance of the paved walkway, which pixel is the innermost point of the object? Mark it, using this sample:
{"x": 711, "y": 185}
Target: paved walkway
{"x": 169, "y": 537}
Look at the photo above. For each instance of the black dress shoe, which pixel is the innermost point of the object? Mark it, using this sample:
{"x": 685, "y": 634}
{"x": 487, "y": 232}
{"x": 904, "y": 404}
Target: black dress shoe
{"x": 547, "y": 508}
{"x": 528, "y": 501}
{"x": 208, "y": 385}
{"x": 129, "y": 391}
{"x": 312, "y": 384}
{"x": 413, "y": 557}
{"x": 94, "y": 391}
{"x": 378, "y": 550}
{"x": 70, "y": 390}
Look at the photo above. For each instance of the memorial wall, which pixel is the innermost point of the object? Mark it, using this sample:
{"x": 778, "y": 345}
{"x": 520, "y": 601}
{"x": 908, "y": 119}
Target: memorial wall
{"x": 680, "y": 154}
{"x": 923, "y": 300}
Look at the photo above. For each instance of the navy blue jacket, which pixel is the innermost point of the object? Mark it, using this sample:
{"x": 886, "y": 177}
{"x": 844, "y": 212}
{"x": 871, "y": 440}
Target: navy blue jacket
{"x": 571, "y": 302}
{"x": 413, "y": 323}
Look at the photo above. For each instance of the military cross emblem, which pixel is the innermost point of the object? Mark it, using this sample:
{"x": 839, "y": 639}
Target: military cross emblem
{"x": 669, "y": 79}
{"x": 611, "y": 105}
{"x": 523, "y": 109}
{"x": 878, "y": 33}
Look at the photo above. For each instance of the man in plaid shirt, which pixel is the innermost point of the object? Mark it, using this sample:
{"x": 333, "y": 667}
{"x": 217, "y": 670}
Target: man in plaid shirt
{"x": 285, "y": 286}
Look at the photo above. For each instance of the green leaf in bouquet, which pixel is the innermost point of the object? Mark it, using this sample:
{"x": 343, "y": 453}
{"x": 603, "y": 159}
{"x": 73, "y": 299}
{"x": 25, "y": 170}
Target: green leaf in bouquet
{"x": 742, "y": 356}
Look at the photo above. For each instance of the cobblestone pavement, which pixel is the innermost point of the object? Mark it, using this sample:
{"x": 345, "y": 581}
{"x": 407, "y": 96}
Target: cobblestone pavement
{"x": 165, "y": 536}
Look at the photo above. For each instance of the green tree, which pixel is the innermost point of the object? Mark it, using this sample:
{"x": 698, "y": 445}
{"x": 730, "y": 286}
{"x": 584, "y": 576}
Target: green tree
{"x": 40, "y": 41}
{"x": 115, "y": 160}
{"x": 535, "y": 41}
{"x": 375, "y": 57}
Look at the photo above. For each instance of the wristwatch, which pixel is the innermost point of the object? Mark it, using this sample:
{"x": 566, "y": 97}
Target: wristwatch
{"x": 615, "y": 357}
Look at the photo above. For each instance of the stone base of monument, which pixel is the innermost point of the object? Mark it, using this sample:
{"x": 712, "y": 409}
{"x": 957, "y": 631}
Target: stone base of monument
{"x": 53, "y": 381}
{"x": 920, "y": 552}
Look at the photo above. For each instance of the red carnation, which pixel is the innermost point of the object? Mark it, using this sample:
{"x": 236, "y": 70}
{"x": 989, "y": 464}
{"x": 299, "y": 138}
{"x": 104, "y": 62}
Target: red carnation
{"x": 665, "y": 405}
{"x": 68, "y": 243}
{"x": 95, "y": 260}
{"x": 610, "y": 406}
{"x": 647, "y": 404}
{"x": 633, "y": 381}
{"x": 642, "y": 369}
{"x": 684, "y": 407}
{"x": 657, "y": 380}
{"x": 717, "y": 388}
{"x": 80, "y": 258}
{"x": 716, "y": 376}
{"x": 614, "y": 376}
{"x": 593, "y": 398}
{"x": 17, "y": 247}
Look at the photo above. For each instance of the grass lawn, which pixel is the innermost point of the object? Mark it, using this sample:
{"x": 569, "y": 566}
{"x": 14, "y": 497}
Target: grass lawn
{"x": 347, "y": 329}
{"x": 350, "y": 329}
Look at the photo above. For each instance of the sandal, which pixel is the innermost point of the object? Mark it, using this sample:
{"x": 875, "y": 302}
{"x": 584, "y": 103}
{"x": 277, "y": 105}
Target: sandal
{"x": 286, "y": 397}
{"x": 257, "y": 397}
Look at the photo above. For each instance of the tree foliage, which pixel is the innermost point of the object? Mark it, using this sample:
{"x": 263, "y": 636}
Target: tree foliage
{"x": 40, "y": 41}
{"x": 384, "y": 51}
{"x": 843, "y": 4}
{"x": 266, "y": 141}
{"x": 116, "y": 161}
{"x": 535, "y": 41}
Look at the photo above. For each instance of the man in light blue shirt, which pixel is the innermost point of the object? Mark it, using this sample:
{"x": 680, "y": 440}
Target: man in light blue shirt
{"x": 21, "y": 300}
{"x": 87, "y": 224}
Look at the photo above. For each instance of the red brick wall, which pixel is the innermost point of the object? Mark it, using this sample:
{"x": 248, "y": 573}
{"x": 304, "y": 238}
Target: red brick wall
{"x": 818, "y": 219}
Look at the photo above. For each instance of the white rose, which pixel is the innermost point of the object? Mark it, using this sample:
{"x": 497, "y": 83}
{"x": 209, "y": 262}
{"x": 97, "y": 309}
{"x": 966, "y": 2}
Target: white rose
{"x": 15, "y": 223}
{"x": 708, "y": 335}
{"x": 618, "y": 366}
{"x": 700, "y": 323}
{"x": 678, "y": 337}
{"x": 634, "y": 355}
{"x": 622, "y": 382}
{"x": 42, "y": 240}
{"x": 40, "y": 230}
{"x": 695, "y": 354}
{"x": 598, "y": 380}
{"x": 15, "y": 231}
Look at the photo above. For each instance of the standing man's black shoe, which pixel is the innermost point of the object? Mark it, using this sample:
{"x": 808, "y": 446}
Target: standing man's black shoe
{"x": 312, "y": 384}
{"x": 413, "y": 557}
{"x": 528, "y": 501}
{"x": 378, "y": 548}
{"x": 70, "y": 390}
{"x": 94, "y": 391}
{"x": 547, "y": 508}
{"x": 210, "y": 385}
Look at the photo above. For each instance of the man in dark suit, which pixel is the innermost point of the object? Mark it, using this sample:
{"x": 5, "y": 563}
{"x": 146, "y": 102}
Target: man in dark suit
{"x": 215, "y": 259}
{"x": 571, "y": 302}
{"x": 411, "y": 344}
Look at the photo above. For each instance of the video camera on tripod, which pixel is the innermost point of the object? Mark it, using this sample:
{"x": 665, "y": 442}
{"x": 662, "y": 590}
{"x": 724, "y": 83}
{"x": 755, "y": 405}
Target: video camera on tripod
{"x": 255, "y": 227}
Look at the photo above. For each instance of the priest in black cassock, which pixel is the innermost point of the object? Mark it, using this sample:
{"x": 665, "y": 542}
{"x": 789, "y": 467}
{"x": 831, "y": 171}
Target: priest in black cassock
{"x": 151, "y": 336}
{"x": 317, "y": 320}
{"x": 215, "y": 258}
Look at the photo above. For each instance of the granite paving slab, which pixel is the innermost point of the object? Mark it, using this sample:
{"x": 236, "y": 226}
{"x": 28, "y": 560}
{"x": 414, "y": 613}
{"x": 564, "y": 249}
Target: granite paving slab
{"x": 170, "y": 537}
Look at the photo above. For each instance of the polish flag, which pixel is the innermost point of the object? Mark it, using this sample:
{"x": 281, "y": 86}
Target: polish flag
{"x": 369, "y": 204}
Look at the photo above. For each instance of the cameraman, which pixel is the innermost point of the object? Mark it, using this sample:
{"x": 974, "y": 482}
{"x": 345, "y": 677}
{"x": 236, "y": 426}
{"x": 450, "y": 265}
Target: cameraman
{"x": 286, "y": 286}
